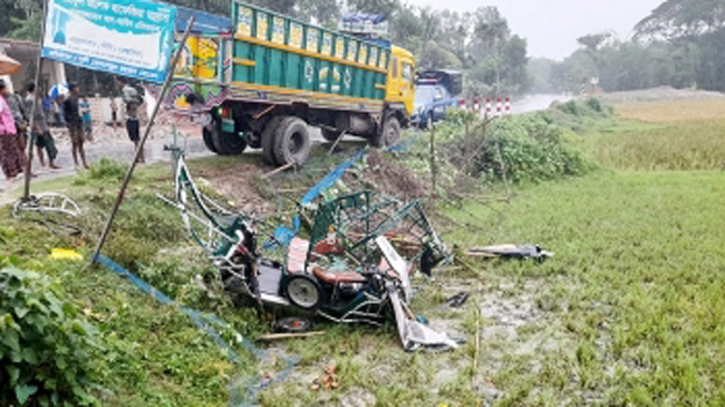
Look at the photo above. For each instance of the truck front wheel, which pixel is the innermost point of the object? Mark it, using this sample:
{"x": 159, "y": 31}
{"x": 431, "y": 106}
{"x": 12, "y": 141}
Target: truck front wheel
{"x": 208, "y": 142}
{"x": 389, "y": 134}
{"x": 267, "y": 141}
{"x": 291, "y": 141}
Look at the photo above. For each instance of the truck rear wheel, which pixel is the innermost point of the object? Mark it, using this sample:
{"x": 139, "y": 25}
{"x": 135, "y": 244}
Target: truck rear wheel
{"x": 291, "y": 141}
{"x": 389, "y": 134}
{"x": 268, "y": 140}
{"x": 331, "y": 135}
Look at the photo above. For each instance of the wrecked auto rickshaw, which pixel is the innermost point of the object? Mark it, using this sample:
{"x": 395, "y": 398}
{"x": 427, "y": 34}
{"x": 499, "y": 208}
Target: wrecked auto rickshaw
{"x": 346, "y": 271}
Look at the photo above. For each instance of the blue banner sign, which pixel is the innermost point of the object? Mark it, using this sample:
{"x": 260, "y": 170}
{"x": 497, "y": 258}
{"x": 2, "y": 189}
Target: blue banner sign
{"x": 131, "y": 38}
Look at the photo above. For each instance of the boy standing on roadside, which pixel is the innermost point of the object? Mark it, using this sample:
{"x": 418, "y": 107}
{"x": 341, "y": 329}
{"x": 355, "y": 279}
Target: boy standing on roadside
{"x": 85, "y": 108}
{"x": 72, "y": 116}
{"x": 132, "y": 100}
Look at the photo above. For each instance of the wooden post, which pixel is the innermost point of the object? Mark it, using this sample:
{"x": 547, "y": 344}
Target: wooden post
{"x": 38, "y": 72}
{"x": 467, "y": 123}
{"x": 433, "y": 160}
{"x": 139, "y": 150}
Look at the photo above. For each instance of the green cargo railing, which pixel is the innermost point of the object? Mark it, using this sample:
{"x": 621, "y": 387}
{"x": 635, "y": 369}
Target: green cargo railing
{"x": 274, "y": 53}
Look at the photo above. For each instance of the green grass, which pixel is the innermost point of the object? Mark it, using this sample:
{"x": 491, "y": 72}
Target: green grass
{"x": 688, "y": 145}
{"x": 639, "y": 269}
{"x": 153, "y": 354}
{"x": 628, "y": 312}
{"x": 637, "y": 280}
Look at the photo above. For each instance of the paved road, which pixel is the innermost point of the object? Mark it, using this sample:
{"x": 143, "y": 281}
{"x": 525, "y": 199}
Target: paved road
{"x": 121, "y": 151}
{"x": 532, "y": 103}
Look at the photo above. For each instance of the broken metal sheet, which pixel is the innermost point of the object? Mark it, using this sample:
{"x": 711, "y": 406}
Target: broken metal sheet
{"x": 510, "y": 251}
{"x": 413, "y": 334}
{"x": 458, "y": 300}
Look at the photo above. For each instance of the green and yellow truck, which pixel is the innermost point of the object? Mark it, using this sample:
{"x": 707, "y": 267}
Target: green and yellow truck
{"x": 268, "y": 77}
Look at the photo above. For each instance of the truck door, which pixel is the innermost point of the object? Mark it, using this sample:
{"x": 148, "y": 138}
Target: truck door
{"x": 393, "y": 90}
{"x": 407, "y": 91}
{"x": 400, "y": 82}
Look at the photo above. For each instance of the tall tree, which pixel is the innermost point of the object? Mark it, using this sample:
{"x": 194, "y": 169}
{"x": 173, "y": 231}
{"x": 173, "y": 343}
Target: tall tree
{"x": 683, "y": 18}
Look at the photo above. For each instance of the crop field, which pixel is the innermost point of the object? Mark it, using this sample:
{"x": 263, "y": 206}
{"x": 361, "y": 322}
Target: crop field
{"x": 629, "y": 311}
{"x": 633, "y": 299}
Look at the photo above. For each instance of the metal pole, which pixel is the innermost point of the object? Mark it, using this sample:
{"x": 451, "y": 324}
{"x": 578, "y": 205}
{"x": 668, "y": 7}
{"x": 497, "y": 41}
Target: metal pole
{"x": 38, "y": 72}
{"x": 139, "y": 150}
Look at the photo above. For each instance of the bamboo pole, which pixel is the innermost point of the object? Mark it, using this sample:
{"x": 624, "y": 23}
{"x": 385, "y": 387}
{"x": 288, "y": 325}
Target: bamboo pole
{"x": 279, "y": 169}
{"x": 139, "y": 150}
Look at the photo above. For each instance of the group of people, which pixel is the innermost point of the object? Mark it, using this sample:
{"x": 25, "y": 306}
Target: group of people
{"x": 15, "y": 112}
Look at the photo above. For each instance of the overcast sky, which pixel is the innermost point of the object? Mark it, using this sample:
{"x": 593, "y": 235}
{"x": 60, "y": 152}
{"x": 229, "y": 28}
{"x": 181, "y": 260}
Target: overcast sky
{"x": 552, "y": 26}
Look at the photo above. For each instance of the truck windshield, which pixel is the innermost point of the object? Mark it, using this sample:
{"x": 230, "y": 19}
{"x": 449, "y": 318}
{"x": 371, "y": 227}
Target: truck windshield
{"x": 407, "y": 72}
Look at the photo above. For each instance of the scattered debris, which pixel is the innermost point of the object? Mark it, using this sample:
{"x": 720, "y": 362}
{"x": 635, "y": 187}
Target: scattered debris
{"x": 65, "y": 254}
{"x": 458, "y": 300}
{"x": 327, "y": 381}
{"x": 274, "y": 337}
{"x": 510, "y": 251}
{"x": 55, "y": 211}
{"x": 293, "y": 325}
{"x": 279, "y": 169}
{"x": 90, "y": 314}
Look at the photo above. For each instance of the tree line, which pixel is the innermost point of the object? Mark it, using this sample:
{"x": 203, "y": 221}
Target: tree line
{"x": 680, "y": 44}
{"x": 479, "y": 43}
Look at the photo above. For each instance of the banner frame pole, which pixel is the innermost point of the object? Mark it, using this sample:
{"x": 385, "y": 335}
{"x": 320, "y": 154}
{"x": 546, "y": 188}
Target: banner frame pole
{"x": 169, "y": 75}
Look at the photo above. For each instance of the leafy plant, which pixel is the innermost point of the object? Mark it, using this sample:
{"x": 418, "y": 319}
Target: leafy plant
{"x": 46, "y": 347}
{"x": 106, "y": 170}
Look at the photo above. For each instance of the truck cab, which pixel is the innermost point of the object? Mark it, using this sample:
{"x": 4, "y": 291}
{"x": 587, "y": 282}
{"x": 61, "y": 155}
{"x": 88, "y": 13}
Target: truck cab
{"x": 401, "y": 87}
{"x": 436, "y": 92}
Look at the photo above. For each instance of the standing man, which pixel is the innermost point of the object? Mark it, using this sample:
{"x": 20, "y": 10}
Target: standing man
{"x": 132, "y": 100}
{"x": 10, "y": 153}
{"x": 72, "y": 116}
{"x": 40, "y": 133}
{"x": 17, "y": 107}
{"x": 85, "y": 108}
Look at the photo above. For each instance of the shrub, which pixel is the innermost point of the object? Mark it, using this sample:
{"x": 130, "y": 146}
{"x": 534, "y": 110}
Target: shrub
{"x": 571, "y": 107}
{"x": 46, "y": 348}
{"x": 595, "y": 104}
{"x": 106, "y": 170}
{"x": 531, "y": 148}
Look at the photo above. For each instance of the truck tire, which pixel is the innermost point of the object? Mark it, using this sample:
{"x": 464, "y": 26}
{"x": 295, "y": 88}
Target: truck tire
{"x": 268, "y": 140}
{"x": 389, "y": 134}
{"x": 226, "y": 143}
{"x": 206, "y": 134}
{"x": 253, "y": 139}
{"x": 331, "y": 135}
{"x": 291, "y": 141}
